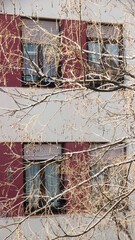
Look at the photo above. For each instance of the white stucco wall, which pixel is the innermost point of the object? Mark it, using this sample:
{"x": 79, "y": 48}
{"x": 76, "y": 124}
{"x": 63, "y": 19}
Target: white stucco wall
{"x": 99, "y": 10}
{"x": 46, "y": 227}
{"x": 34, "y": 8}
{"x": 64, "y": 115}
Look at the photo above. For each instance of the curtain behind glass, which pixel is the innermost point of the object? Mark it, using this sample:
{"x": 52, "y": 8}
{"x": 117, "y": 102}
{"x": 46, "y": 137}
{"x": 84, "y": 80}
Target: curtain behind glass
{"x": 52, "y": 182}
{"x": 32, "y": 185}
{"x": 30, "y": 73}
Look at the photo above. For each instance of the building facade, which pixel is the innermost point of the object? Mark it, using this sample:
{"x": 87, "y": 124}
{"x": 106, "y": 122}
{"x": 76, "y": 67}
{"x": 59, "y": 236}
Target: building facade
{"x": 65, "y": 117}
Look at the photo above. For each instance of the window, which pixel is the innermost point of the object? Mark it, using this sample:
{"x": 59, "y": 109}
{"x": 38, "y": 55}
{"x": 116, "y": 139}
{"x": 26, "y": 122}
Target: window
{"x": 105, "y": 53}
{"x": 111, "y": 183}
{"x": 40, "y": 53}
{"x": 43, "y": 179}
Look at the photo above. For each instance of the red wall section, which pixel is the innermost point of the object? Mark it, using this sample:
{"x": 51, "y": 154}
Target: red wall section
{"x": 77, "y": 169}
{"x": 10, "y": 51}
{"x": 11, "y": 179}
{"x": 72, "y": 66}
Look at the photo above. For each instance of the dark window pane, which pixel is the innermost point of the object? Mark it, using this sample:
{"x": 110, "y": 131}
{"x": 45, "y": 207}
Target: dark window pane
{"x": 52, "y": 182}
{"x": 49, "y": 66}
{"x": 32, "y": 185}
{"x": 30, "y": 53}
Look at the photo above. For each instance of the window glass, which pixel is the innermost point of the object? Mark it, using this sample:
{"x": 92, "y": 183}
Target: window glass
{"x": 111, "y": 181}
{"x": 43, "y": 58}
{"x": 52, "y": 182}
{"x": 40, "y": 41}
{"x": 49, "y": 63}
{"x": 95, "y": 56}
{"x": 42, "y": 180}
{"x": 113, "y": 52}
{"x": 105, "y": 51}
{"x": 32, "y": 184}
{"x": 49, "y": 66}
{"x": 30, "y": 52}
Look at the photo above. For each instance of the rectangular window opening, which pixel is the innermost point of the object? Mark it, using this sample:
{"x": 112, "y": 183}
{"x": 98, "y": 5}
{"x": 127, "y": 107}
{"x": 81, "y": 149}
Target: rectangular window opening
{"x": 42, "y": 178}
{"x": 40, "y": 53}
{"x": 111, "y": 183}
{"x": 105, "y": 54}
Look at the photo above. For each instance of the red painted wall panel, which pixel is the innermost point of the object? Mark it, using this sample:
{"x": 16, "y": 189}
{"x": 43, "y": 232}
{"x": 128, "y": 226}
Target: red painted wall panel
{"x": 77, "y": 169}
{"x": 11, "y": 179}
{"x": 72, "y": 65}
{"x": 10, "y": 51}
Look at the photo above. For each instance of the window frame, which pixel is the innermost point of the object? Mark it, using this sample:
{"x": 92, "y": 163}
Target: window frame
{"x": 50, "y": 208}
{"x": 103, "y": 53}
{"x": 103, "y": 181}
{"x": 102, "y": 69}
{"x": 46, "y": 82}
